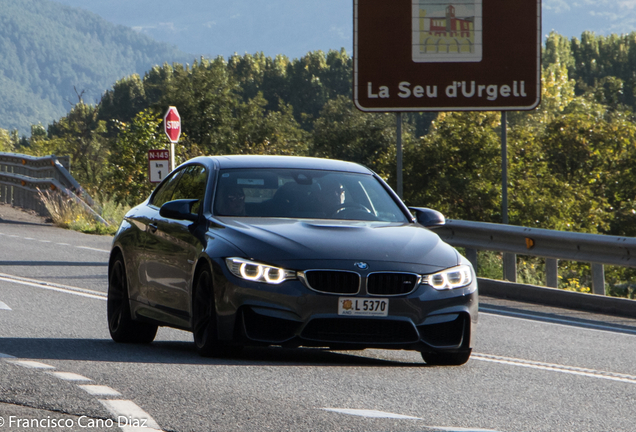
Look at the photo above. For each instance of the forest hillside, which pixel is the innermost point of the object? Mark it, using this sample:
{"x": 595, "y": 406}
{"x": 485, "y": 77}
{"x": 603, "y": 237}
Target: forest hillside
{"x": 51, "y": 54}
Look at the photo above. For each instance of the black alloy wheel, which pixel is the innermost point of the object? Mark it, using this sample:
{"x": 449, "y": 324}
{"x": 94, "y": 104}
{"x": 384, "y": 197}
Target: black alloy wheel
{"x": 120, "y": 324}
{"x": 204, "y": 325}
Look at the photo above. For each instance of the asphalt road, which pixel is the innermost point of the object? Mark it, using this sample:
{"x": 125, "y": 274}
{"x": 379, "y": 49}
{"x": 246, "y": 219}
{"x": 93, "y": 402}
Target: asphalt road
{"x": 533, "y": 369}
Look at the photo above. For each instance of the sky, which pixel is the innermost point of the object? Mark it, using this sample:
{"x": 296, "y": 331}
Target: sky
{"x": 572, "y": 17}
{"x": 295, "y": 27}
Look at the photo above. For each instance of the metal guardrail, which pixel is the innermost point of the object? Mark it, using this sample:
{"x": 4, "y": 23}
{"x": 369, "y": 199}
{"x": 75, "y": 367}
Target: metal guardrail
{"x": 22, "y": 175}
{"x": 597, "y": 249}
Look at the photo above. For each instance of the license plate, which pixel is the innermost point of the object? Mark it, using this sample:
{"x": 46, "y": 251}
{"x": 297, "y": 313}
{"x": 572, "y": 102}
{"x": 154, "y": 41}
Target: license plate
{"x": 353, "y": 306}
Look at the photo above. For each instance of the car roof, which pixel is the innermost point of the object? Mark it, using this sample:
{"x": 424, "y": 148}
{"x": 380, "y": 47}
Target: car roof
{"x": 268, "y": 161}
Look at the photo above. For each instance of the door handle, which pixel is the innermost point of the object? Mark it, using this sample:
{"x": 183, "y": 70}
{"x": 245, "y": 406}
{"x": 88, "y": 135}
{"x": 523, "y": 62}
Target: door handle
{"x": 152, "y": 227}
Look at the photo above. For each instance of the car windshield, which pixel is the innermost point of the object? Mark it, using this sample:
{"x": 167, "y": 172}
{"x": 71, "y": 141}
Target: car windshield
{"x": 311, "y": 194}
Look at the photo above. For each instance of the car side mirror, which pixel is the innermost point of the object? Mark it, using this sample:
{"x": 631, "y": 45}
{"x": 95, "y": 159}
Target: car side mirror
{"x": 179, "y": 209}
{"x": 428, "y": 217}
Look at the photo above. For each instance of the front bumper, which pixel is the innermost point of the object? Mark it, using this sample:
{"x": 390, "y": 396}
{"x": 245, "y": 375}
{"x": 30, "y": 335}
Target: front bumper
{"x": 290, "y": 314}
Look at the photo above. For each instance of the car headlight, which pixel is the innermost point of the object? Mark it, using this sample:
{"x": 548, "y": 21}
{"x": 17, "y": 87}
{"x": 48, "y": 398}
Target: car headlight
{"x": 455, "y": 277}
{"x": 257, "y": 272}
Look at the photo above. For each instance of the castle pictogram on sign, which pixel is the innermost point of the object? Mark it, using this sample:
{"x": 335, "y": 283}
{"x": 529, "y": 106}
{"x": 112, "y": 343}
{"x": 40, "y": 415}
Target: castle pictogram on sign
{"x": 447, "y": 31}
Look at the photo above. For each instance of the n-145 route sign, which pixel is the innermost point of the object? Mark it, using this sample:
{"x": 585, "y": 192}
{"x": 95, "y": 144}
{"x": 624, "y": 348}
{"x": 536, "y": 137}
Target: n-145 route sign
{"x": 158, "y": 165}
{"x": 447, "y": 55}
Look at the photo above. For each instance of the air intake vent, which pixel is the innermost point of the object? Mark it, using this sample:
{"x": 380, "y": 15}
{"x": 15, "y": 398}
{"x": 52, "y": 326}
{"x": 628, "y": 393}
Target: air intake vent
{"x": 359, "y": 331}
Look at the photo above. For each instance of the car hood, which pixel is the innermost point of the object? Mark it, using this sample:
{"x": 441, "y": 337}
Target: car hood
{"x": 275, "y": 240}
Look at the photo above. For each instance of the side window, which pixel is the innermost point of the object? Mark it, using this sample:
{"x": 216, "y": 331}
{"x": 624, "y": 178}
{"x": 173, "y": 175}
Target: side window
{"x": 166, "y": 190}
{"x": 192, "y": 185}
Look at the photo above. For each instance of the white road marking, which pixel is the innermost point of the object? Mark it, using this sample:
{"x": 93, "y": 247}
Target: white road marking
{"x": 371, "y": 413}
{"x": 557, "y": 321}
{"x": 128, "y": 415}
{"x": 3, "y": 306}
{"x": 133, "y": 413}
{"x": 99, "y": 390}
{"x": 70, "y": 376}
{"x": 388, "y": 415}
{"x": 93, "y": 249}
{"x": 54, "y": 287}
{"x": 31, "y": 364}
{"x": 60, "y": 244}
{"x": 592, "y": 373}
{"x": 458, "y": 429}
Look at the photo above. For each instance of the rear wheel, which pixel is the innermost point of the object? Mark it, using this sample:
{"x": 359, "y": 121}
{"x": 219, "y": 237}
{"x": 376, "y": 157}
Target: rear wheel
{"x": 120, "y": 324}
{"x": 446, "y": 358}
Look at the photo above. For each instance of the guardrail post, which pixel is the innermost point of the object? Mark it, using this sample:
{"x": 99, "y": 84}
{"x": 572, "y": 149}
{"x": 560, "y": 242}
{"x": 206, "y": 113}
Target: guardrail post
{"x": 552, "y": 272}
{"x": 510, "y": 267}
{"x": 598, "y": 279}
{"x": 471, "y": 255}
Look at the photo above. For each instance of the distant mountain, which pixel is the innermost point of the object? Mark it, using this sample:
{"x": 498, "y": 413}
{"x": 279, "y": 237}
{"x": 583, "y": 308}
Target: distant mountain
{"x": 50, "y": 53}
{"x": 293, "y": 27}
{"x": 48, "y": 50}
{"x": 222, "y": 27}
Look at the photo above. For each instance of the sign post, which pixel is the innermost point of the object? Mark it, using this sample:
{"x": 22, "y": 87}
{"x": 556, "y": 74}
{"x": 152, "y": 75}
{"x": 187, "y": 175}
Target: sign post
{"x": 172, "y": 127}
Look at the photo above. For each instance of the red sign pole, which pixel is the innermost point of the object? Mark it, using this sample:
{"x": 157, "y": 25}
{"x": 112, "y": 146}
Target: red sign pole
{"x": 172, "y": 128}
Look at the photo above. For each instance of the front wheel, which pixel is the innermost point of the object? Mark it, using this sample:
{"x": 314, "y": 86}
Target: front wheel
{"x": 120, "y": 323}
{"x": 446, "y": 358}
{"x": 203, "y": 314}
{"x": 204, "y": 325}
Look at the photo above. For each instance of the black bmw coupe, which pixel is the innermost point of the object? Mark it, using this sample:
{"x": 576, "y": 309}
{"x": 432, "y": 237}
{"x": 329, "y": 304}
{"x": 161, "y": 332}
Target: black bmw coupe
{"x": 290, "y": 251}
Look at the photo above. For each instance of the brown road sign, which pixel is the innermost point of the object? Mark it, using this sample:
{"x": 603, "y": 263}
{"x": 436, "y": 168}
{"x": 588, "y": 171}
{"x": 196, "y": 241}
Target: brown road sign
{"x": 447, "y": 55}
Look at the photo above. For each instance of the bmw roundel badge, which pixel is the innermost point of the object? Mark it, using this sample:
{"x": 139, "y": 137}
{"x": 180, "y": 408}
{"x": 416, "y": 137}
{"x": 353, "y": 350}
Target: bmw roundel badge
{"x": 362, "y": 265}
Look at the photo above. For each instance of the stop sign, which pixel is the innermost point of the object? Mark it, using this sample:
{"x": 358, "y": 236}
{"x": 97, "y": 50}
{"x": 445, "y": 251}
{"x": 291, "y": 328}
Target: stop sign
{"x": 172, "y": 124}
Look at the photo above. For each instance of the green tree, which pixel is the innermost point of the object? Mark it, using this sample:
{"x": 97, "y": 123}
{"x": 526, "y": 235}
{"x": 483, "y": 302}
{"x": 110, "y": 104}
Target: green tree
{"x": 123, "y": 101}
{"x": 344, "y": 132}
{"x": 255, "y": 131}
{"x": 5, "y": 141}
{"x": 207, "y": 98}
{"x": 127, "y": 181}
{"x": 456, "y": 167}
{"x": 80, "y": 135}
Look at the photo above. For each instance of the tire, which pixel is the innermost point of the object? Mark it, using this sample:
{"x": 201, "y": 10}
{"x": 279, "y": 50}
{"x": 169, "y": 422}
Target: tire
{"x": 446, "y": 358}
{"x": 204, "y": 326}
{"x": 120, "y": 323}
{"x": 204, "y": 322}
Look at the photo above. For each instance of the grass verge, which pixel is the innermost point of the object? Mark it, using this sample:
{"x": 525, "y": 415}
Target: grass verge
{"x": 69, "y": 213}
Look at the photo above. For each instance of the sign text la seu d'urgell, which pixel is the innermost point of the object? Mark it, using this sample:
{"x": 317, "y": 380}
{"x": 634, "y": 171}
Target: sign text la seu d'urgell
{"x": 458, "y": 89}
